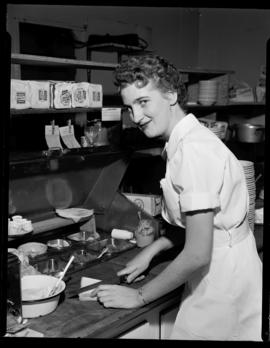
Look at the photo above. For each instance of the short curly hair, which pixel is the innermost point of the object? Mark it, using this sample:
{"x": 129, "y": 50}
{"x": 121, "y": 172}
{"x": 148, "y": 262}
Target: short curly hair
{"x": 150, "y": 67}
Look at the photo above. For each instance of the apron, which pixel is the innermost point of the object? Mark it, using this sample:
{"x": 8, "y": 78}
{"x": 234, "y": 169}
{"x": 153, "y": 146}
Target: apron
{"x": 222, "y": 301}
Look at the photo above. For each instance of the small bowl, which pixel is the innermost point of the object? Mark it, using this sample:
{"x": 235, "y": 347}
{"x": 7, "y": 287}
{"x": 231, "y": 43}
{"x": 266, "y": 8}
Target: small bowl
{"x": 81, "y": 256}
{"x": 35, "y": 302}
{"x": 58, "y": 244}
{"x": 98, "y": 245}
{"x": 51, "y": 266}
{"x": 33, "y": 249}
{"x": 82, "y": 236}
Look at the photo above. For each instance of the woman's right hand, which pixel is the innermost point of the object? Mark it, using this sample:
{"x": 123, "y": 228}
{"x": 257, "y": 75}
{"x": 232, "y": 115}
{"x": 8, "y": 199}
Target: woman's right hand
{"x": 140, "y": 262}
{"x": 136, "y": 266}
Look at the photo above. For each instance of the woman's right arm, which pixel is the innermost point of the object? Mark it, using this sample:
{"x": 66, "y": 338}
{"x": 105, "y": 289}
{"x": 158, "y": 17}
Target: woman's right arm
{"x": 141, "y": 261}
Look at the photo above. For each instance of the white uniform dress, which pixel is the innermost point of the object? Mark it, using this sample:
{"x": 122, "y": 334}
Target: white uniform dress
{"x": 224, "y": 300}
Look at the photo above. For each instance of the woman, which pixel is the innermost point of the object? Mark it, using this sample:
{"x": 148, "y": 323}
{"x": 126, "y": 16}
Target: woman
{"x": 204, "y": 191}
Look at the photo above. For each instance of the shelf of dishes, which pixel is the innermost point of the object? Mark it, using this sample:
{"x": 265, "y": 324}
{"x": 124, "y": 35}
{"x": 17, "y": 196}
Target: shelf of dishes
{"x": 188, "y": 106}
{"x": 230, "y": 106}
{"x": 53, "y": 111}
{"x": 48, "y": 253}
{"x": 52, "y": 256}
{"x": 29, "y": 59}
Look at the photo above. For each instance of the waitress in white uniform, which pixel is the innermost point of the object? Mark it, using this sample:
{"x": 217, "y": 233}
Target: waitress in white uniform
{"x": 204, "y": 192}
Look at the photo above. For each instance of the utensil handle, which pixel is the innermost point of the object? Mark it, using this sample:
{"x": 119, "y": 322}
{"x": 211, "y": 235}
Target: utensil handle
{"x": 65, "y": 270}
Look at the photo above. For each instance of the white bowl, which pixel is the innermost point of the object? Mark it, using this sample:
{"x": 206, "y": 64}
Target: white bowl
{"x": 33, "y": 249}
{"x": 35, "y": 302}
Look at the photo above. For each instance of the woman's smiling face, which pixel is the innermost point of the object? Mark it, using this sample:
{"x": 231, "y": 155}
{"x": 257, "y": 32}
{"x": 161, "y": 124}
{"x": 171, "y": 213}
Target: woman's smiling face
{"x": 149, "y": 108}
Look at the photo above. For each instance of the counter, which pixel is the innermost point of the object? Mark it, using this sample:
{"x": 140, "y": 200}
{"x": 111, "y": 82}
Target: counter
{"x": 74, "y": 318}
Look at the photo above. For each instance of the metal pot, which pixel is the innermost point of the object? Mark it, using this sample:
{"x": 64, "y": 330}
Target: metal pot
{"x": 249, "y": 133}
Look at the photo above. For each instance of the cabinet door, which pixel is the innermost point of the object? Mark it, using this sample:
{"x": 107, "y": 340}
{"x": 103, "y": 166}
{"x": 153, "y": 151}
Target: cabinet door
{"x": 146, "y": 329}
{"x": 142, "y": 331}
{"x": 167, "y": 319}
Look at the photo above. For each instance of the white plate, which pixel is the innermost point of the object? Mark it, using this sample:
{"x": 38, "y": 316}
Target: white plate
{"x": 33, "y": 249}
{"x": 20, "y": 235}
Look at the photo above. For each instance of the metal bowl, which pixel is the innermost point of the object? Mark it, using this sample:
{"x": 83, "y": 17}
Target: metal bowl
{"x": 98, "y": 246}
{"x": 35, "y": 302}
{"x": 58, "y": 244}
{"x": 82, "y": 236}
{"x": 83, "y": 256}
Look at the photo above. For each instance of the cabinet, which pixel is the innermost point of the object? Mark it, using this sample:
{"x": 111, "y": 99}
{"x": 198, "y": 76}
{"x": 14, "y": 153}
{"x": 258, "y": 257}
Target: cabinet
{"x": 222, "y": 110}
{"x": 144, "y": 330}
{"x": 26, "y": 119}
{"x": 156, "y": 324}
{"x": 167, "y": 319}
{"x": 27, "y": 59}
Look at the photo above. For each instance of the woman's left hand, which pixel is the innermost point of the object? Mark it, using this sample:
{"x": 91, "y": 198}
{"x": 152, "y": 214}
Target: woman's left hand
{"x": 117, "y": 296}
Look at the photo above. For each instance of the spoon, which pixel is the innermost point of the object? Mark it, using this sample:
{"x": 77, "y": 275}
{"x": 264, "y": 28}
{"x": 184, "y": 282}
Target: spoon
{"x": 102, "y": 252}
{"x": 53, "y": 289}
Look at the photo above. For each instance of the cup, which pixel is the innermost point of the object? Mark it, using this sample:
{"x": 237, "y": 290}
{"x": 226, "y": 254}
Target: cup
{"x": 91, "y": 132}
{"x": 144, "y": 233}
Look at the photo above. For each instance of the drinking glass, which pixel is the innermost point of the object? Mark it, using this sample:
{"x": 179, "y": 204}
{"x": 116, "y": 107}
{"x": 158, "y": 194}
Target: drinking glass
{"x": 91, "y": 132}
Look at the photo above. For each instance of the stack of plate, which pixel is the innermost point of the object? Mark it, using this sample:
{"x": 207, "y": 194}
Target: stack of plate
{"x": 217, "y": 127}
{"x": 207, "y": 92}
{"x": 249, "y": 171}
{"x": 216, "y": 130}
{"x": 222, "y": 126}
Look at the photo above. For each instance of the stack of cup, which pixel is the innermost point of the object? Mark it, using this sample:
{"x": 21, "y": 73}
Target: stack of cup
{"x": 249, "y": 172}
{"x": 207, "y": 92}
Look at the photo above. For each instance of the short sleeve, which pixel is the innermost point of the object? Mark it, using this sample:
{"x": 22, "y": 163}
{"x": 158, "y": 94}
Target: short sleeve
{"x": 200, "y": 176}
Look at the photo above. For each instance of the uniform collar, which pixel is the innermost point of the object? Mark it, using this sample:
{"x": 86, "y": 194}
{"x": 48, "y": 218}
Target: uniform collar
{"x": 178, "y": 133}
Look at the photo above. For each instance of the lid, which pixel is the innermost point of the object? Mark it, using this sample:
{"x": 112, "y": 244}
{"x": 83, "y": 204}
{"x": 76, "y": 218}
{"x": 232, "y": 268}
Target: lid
{"x": 249, "y": 125}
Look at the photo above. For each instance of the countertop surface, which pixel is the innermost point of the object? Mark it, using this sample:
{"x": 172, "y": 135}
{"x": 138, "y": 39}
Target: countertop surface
{"x": 74, "y": 318}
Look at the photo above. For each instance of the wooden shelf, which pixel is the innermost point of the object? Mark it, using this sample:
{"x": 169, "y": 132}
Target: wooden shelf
{"x": 113, "y": 47}
{"x": 227, "y": 107}
{"x": 51, "y": 111}
{"x": 28, "y": 59}
{"x": 197, "y": 107}
{"x": 200, "y": 71}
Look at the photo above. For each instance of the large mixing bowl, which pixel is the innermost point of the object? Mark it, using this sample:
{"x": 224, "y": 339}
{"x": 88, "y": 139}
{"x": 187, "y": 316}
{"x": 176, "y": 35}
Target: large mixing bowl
{"x": 34, "y": 289}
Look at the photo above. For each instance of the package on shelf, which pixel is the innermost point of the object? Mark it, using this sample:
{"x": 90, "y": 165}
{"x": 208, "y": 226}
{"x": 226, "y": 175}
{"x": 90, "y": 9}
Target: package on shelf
{"x": 207, "y": 122}
{"x": 40, "y": 94}
{"x": 80, "y": 94}
{"x": 111, "y": 114}
{"x": 20, "y": 94}
{"x": 223, "y": 88}
{"x": 148, "y": 202}
{"x": 193, "y": 93}
{"x": 95, "y": 95}
{"x": 61, "y": 94}
{"x": 243, "y": 95}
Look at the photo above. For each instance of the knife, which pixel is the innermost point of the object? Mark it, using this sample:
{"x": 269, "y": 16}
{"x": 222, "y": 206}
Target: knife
{"x": 75, "y": 293}
{"x": 121, "y": 280}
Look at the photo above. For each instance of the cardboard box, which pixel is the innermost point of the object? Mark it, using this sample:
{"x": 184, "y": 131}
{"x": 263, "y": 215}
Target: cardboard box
{"x": 20, "y": 94}
{"x": 149, "y": 203}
